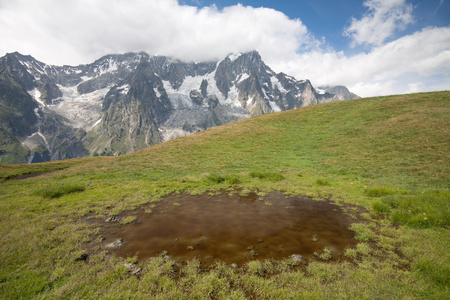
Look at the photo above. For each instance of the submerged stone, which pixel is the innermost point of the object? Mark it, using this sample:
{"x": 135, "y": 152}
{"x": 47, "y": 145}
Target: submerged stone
{"x": 297, "y": 257}
{"x": 115, "y": 245}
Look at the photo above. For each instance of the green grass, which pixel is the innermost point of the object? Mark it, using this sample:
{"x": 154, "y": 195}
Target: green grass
{"x": 430, "y": 209}
{"x": 389, "y": 155}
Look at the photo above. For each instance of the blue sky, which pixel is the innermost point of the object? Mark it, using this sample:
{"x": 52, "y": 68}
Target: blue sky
{"x": 374, "y": 47}
{"x": 328, "y": 18}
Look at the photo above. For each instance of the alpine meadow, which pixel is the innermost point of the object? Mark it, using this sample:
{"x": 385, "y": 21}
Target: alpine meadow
{"x": 383, "y": 162}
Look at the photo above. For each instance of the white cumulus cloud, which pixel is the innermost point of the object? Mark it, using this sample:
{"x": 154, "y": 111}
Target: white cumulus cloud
{"x": 68, "y": 32}
{"x": 386, "y": 69}
{"x": 381, "y": 21}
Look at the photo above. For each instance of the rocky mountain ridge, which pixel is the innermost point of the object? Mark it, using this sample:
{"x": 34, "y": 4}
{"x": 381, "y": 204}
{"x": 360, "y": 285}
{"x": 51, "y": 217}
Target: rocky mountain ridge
{"x": 125, "y": 102}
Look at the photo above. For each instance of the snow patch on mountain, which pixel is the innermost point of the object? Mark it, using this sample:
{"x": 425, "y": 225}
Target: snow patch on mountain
{"x": 243, "y": 77}
{"x": 274, "y": 106}
{"x": 233, "y": 97}
{"x": 84, "y": 110}
{"x": 85, "y": 78}
{"x": 35, "y": 140}
{"x": 178, "y": 98}
{"x": 157, "y": 93}
{"x": 213, "y": 90}
{"x": 36, "y": 95}
{"x": 95, "y": 124}
{"x": 36, "y": 112}
{"x": 111, "y": 66}
{"x": 234, "y": 56}
{"x": 277, "y": 83}
{"x": 124, "y": 89}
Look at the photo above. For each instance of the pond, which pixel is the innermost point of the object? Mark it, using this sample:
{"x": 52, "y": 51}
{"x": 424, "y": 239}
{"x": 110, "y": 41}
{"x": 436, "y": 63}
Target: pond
{"x": 233, "y": 228}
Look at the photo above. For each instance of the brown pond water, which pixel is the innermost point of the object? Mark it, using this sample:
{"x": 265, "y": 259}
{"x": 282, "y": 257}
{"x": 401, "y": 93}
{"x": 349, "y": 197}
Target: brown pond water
{"x": 233, "y": 228}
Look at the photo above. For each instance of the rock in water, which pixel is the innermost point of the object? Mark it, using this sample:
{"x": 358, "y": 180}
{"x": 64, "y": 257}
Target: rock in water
{"x": 112, "y": 219}
{"x": 115, "y": 245}
{"x": 297, "y": 257}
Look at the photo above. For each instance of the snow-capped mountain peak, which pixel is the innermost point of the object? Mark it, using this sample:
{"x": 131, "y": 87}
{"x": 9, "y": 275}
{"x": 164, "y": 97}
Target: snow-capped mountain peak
{"x": 124, "y": 102}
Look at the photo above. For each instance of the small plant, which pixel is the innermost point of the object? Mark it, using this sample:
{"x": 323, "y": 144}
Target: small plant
{"x": 267, "y": 203}
{"x": 314, "y": 238}
{"x": 438, "y": 273}
{"x": 155, "y": 200}
{"x": 270, "y": 176}
{"x": 325, "y": 255}
{"x": 232, "y": 179}
{"x": 255, "y": 267}
{"x": 380, "y": 208}
{"x": 131, "y": 260}
{"x": 128, "y": 220}
{"x": 382, "y": 191}
{"x": 322, "y": 182}
{"x": 363, "y": 233}
{"x": 176, "y": 204}
{"x": 351, "y": 253}
{"x": 363, "y": 248}
{"x": 214, "y": 178}
{"x": 58, "y": 273}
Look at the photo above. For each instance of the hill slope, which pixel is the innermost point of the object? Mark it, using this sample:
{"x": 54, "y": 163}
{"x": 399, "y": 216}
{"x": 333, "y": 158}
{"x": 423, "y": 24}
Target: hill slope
{"x": 388, "y": 155}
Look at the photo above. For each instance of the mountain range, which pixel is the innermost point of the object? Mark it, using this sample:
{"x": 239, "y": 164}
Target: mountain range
{"x": 126, "y": 102}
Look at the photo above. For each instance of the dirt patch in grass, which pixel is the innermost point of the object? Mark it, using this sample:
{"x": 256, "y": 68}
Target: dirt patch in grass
{"x": 232, "y": 228}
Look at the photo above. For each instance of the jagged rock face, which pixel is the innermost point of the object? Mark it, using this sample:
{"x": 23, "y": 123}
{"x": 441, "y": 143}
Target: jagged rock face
{"x": 341, "y": 92}
{"x": 122, "y": 103}
{"x": 16, "y": 106}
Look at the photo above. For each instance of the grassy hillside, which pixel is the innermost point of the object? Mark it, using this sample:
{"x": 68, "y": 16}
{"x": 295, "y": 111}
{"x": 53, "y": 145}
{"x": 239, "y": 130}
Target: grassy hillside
{"x": 389, "y": 155}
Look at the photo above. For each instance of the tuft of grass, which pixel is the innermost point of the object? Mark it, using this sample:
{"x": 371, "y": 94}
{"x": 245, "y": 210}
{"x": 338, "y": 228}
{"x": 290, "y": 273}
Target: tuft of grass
{"x": 363, "y": 231}
{"x": 432, "y": 270}
{"x": 425, "y": 210}
{"x": 382, "y": 191}
{"x": 233, "y": 179}
{"x": 324, "y": 255}
{"x": 255, "y": 267}
{"x": 322, "y": 181}
{"x": 58, "y": 190}
{"x": 214, "y": 178}
{"x": 380, "y": 208}
{"x": 266, "y": 175}
{"x": 350, "y": 253}
{"x": 128, "y": 220}
{"x": 363, "y": 248}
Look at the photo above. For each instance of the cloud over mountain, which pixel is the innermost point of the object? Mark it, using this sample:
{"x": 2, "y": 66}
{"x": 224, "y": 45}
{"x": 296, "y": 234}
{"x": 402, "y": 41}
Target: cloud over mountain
{"x": 74, "y": 32}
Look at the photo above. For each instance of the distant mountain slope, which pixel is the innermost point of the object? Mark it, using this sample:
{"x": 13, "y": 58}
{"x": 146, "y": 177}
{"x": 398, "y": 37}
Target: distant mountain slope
{"x": 122, "y": 103}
